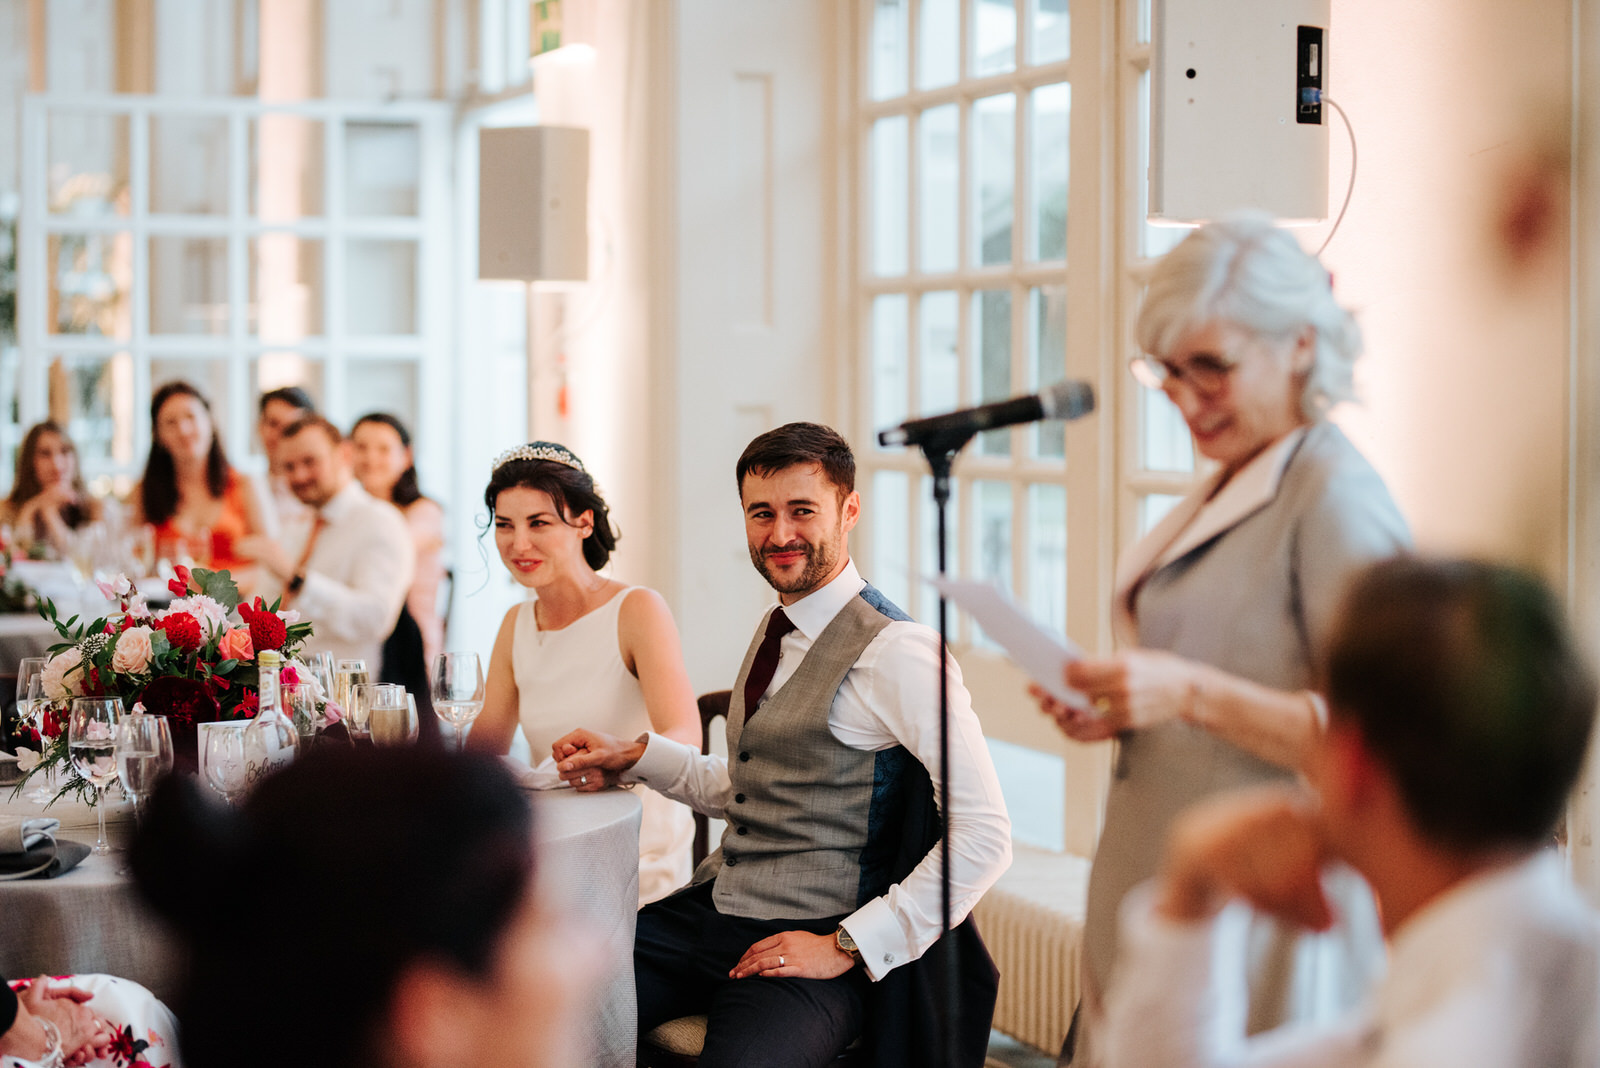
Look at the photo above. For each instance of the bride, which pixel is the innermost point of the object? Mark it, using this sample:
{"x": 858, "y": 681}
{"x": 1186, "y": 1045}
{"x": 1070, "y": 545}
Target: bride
{"x": 587, "y": 650}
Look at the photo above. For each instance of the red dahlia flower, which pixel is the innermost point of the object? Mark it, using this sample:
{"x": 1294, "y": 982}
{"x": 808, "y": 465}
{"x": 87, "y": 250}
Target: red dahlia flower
{"x": 267, "y": 631}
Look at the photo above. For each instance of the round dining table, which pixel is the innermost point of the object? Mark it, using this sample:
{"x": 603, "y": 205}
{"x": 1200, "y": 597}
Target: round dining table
{"x": 92, "y": 920}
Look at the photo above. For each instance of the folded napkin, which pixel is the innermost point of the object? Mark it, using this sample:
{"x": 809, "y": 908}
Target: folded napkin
{"x": 18, "y": 834}
{"x": 544, "y": 776}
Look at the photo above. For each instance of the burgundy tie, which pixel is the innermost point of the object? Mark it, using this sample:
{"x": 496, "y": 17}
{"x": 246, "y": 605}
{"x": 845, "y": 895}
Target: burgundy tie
{"x": 766, "y": 661}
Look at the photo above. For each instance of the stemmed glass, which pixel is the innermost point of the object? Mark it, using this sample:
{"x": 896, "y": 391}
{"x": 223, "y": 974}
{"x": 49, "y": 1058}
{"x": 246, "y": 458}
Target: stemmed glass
{"x": 456, "y": 682}
{"x": 347, "y": 676}
{"x": 31, "y": 707}
{"x": 299, "y": 703}
{"x": 144, "y": 755}
{"x": 222, "y": 757}
{"x": 91, "y": 741}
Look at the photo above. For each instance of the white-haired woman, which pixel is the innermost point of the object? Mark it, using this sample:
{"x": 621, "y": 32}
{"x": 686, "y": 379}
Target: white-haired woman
{"x": 1222, "y": 611}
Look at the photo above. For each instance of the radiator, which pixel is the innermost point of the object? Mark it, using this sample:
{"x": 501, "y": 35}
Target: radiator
{"x": 1032, "y": 922}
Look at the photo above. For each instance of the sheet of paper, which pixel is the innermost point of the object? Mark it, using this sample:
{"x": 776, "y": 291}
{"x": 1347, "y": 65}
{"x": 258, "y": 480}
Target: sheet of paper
{"x": 1032, "y": 648}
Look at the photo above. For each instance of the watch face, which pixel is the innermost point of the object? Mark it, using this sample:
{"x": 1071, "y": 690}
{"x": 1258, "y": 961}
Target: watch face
{"x": 846, "y": 943}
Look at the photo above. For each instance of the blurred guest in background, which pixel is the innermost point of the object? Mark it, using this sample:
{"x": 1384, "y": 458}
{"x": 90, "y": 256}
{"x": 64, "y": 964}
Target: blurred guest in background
{"x": 200, "y": 506}
{"x": 48, "y": 498}
{"x": 1460, "y": 712}
{"x": 279, "y": 408}
{"x": 350, "y": 567}
{"x": 588, "y": 650}
{"x": 403, "y": 912}
{"x": 1225, "y": 607}
{"x": 384, "y": 465}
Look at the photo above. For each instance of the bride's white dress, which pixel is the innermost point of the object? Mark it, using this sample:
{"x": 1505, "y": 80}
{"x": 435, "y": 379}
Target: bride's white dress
{"x": 574, "y": 677}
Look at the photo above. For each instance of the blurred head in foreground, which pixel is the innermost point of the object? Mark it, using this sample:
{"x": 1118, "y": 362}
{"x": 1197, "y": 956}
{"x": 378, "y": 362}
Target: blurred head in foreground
{"x": 362, "y": 907}
{"x": 1462, "y": 682}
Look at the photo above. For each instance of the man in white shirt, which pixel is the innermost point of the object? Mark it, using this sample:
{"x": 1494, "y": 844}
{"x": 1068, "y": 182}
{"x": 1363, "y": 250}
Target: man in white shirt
{"x": 1460, "y": 713}
{"x": 785, "y": 933}
{"x": 348, "y": 568}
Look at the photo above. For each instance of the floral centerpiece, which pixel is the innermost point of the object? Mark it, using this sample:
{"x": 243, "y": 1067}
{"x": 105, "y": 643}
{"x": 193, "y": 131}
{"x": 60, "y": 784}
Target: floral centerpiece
{"x": 189, "y": 662}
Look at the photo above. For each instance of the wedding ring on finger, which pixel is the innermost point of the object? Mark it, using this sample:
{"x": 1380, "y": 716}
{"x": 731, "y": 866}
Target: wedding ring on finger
{"x": 584, "y": 780}
{"x": 780, "y": 960}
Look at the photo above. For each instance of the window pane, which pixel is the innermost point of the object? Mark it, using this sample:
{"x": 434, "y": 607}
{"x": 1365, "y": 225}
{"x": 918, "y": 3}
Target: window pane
{"x": 994, "y": 36}
{"x": 99, "y": 402}
{"x": 890, "y": 387}
{"x": 91, "y": 284}
{"x": 938, "y": 43}
{"x": 1153, "y": 240}
{"x": 382, "y": 168}
{"x": 1143, "y": 28}
{"x": 208, "y": 375}
{"x": 88, "y": 169}
{"x": 991, "y": 341}
{"x": 1164, "y": 440}
{"x": 380, "y": 280}
{"x": 383, "y": 385}
{"x": 189, "y": 164}
{"x": 1048, "y": 315}
{"x": 286, "y": 164}
{"x": 939, "y": 160}
{"x": 890, "y": 183}
{"x": 991, "y": 540}
{"x": 1153, "y": 507}
{"x": 1047, "y": 555}
{"x": 891, "y": 536}
{"x": 888, "y": 75}
{"x": 1051, "y": 131}
{"x": 1052, "y": 30}
{"x": 938, "y": 359}
{"x": 285, "y": 287}
{"x": 188, "y": 282}
{"x": 993, "y": 175}
{"x": 929, "y": 612}
{"x": 274, "y": 370}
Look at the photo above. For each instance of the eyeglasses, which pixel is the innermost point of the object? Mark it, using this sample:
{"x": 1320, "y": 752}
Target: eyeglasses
{"x": 1205, "y": 373}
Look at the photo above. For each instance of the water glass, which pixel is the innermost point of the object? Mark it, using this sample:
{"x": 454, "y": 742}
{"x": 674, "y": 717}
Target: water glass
{"x": 31, "y": 706}
{"x": 92, "y": 742}
{"x": 144, "y": 756}
{"x": 222, "y": 762}
{"x": 299, "y": 703}
{"x": 456, "y": 681}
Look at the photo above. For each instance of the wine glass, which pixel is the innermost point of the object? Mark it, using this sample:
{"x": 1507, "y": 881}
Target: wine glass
{"x": 144, "y": 755}
{"x": 347, "y": 676}
{"x": 387, "y": 712}
{"x": 299, "y": 703}
{"x": 222, "y": 756}
{"x": 31, "y": 705}
{"x": 91, "y": 741}
{"x": 456, "y": 682}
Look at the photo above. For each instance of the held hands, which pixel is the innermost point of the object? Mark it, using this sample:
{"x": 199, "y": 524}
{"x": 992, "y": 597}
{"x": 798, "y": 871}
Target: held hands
{"x": 589, "y": 760}
{"x": 1264, "y": 845}
{"x": 794, "y": 955}
{"x": 84, "y": 1036}
{"x": 1130, "y": 691}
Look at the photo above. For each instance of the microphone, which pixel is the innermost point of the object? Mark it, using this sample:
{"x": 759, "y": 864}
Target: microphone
{"x": 1069, "y": 399}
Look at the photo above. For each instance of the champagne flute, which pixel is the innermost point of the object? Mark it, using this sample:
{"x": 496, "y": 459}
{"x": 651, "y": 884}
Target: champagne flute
{"x": 91, "y": 741}
{"x": 347, "y": 676}
{"x": 222, "y": 757}
{"x": 31, "y": 706}
{"x": 456, "y": 682}
{"x": 144, "y": 755}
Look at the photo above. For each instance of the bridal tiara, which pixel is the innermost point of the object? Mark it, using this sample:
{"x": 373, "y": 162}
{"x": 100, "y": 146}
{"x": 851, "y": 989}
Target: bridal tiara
{"x": 540, "y": 450}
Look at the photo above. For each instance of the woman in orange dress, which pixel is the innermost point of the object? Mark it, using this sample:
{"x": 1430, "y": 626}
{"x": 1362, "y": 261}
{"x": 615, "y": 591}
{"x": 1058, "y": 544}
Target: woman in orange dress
{"x": 198, "y": 505}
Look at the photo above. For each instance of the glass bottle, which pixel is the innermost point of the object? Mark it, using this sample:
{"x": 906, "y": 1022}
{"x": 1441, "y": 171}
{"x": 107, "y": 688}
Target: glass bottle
{"x": 270, "y": 740}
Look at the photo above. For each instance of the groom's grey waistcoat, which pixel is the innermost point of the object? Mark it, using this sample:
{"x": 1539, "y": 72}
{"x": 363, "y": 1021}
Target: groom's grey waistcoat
{"x": 813, "y": 823}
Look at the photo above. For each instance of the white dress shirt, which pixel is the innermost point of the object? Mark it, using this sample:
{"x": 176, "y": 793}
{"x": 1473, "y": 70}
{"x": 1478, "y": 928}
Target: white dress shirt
{"x": 1502, "y": 970}
{"x": 357, "y": 577}
{"x": 889, "y": 697}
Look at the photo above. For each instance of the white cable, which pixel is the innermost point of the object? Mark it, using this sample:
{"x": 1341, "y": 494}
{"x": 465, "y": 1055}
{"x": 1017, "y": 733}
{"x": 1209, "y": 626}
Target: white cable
{"x": 1351, "y": 188}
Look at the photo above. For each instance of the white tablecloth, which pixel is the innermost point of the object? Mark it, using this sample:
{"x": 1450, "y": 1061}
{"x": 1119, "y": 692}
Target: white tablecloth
{"x": 24, "y": 634}
{"x": 91, "y": 919}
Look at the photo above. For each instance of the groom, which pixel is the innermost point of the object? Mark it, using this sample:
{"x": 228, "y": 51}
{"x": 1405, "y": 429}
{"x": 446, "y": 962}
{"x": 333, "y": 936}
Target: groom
{"x": 784, "y": 936}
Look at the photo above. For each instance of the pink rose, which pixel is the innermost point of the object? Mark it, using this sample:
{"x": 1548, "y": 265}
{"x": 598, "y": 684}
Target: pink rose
{"x": 235, "y": 645}
{"x": 132, "y": 651}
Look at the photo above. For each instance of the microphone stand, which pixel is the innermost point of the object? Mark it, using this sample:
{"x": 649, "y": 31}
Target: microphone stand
{"x": 940, "y": 450}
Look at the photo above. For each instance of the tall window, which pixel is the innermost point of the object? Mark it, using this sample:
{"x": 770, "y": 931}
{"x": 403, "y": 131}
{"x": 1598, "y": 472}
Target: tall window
{"x": 965, "y": 127}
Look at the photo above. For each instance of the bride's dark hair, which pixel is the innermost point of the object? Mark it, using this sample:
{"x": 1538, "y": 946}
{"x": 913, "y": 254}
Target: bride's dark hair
{"x": 573, "y": 492}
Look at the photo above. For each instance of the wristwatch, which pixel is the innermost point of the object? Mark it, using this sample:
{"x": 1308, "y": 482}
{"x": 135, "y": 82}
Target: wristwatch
{"x": 294, "y": 584}
{"x": 846, "y": 944}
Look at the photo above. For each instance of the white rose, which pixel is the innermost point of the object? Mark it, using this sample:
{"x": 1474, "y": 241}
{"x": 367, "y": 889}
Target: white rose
{"x": 132, "y": 651}
{"x": 210, "y": 614}
{"x": 57, "y": 687}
